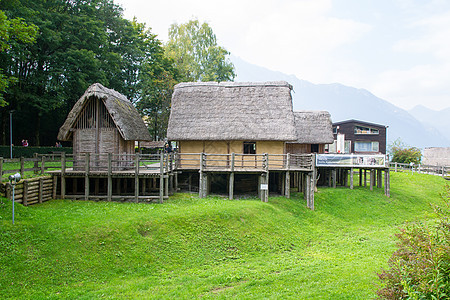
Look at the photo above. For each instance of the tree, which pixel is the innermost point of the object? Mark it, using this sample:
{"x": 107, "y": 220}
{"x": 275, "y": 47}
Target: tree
{"x": 420, "y": 267}
{"x": 79, "y": 43}
{"x": 403, "y": 153}
{"x": 193, "y": 47}
{"x": 12, "y": 32}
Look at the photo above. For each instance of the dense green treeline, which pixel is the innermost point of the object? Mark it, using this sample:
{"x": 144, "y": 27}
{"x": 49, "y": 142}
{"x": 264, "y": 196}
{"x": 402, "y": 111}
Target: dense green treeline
{"x": 76, "y": 44}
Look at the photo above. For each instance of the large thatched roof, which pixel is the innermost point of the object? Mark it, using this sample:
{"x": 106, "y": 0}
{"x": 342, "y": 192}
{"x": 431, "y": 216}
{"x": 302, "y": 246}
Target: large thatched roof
{"x": 313, "y": 127}
{"x": 124, "y": 114}
{"x": 232, "y": 111}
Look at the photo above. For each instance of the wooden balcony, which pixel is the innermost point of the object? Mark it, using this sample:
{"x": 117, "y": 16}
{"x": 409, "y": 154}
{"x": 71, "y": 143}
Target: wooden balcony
{"x": 235, "y": 162}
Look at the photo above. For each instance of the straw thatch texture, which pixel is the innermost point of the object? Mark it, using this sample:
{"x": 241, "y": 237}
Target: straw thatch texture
{"x": 313, "y": 127}
{"x": 232, "y": 111}
{"x": 125, "y": 116}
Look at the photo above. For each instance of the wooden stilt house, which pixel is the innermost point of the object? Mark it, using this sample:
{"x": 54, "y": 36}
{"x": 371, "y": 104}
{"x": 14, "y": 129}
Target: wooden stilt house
{"x": 103, "y": 121}
{"x": 232, "y": 137}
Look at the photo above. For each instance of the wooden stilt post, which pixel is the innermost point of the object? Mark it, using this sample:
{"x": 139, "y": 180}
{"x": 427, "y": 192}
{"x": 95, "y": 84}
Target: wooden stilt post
{"x": 86, "y": 175}
{"x": 287, "y": 183}
{"x": 333, "y": 171}
{"x": 311, "y": 192}
{"x": 372, "y": 178}
{"x": 360, "y": 177}
{"x": 379, "y": 178}
{"x": 25, "y": 193}
{"x": 161, "y": 177}
{"x": 365, "y": 178}
{"x": 55, "y": 186}
{"x": 265, "y": 179}
{"x": 387, "y": 183}
{"x": 42, "y": 164}
{"x": 41, "y": 190}
{"x": 136, "y": 177}
{"x": 351, "y": 178}
{"x": 330, "y": 178}
{"x": 63, "y": 175}
{"x": 299, "y": 178}
{"x": 22, "y": 166}
{"x": 307, "y": 188}
{"x": 231, "y": 179}
{"x": 201, "y": 193}
{"x": 109, "y": 185}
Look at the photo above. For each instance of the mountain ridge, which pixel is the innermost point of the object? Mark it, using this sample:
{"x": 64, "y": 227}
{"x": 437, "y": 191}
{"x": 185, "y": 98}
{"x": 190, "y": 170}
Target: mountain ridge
{"x": 345, "y": 102}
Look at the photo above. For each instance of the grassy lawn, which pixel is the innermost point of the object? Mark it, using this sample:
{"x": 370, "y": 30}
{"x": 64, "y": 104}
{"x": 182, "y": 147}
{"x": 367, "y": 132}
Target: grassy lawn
{"x": 210, "y": 248}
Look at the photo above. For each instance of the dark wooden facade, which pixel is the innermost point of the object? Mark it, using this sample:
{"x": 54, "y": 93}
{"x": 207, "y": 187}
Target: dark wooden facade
{"x": 360, "y": 138}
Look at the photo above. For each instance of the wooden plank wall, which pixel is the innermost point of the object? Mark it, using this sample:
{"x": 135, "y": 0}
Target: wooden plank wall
{"x": 30, "y": 191}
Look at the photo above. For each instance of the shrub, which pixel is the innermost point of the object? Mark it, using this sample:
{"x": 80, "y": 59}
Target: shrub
{"x": 420, "y": 268}
{"x": 19, "y": 151}
{"x": 404, "y": 154}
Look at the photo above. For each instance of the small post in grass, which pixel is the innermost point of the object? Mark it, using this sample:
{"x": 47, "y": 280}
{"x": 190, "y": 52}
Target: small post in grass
{"x": 14, "y": 179}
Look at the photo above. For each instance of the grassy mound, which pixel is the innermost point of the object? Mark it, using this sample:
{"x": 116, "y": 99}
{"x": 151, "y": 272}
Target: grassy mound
{"x": 211, "y": 248}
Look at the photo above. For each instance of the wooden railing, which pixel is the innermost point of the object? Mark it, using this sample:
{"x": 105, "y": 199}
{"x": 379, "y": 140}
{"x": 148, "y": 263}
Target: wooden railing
{"x": 243, "y": 162}
{"x": 444, "y": 171}
{"x": 42, "y": 164}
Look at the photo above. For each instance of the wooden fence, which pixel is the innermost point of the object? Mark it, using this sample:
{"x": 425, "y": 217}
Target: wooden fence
{"x": 443, "y": 171}
{"x": 30, "y": 191}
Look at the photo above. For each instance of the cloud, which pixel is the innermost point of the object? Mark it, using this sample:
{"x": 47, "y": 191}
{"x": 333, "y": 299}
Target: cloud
{"x": 425, "y": 80}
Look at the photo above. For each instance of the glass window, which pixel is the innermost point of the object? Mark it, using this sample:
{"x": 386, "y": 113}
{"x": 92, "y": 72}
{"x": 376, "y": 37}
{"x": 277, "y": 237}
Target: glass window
{"x": 249, "y": 147}
{"x": 366, "y": 130}
{"x": 366, "y": 146}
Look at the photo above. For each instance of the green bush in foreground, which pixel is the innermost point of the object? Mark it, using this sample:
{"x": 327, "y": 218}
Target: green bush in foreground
{"x": 420, "y": 268}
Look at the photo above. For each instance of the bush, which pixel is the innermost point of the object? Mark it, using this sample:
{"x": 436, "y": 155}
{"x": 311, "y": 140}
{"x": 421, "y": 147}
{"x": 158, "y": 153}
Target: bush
{"x": 404, "y": 154}
{"x": 19, "y": 151}
{"x": 420, "y": 268}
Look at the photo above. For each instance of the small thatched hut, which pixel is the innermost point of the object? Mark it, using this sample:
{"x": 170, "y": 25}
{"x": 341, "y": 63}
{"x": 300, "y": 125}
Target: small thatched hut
{"x": 227, "y": 117}
{"x": 102, "y": 121}
{"x": 314, "y": 131}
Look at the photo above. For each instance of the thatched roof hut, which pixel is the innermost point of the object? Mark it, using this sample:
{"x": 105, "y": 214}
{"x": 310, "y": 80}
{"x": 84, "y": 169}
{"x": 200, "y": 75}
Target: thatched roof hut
{"x": 313, "y": 127}
{"x": 122, "y": 112}
{"x": 103, "y": 121}
{"x": 231, "y": 111}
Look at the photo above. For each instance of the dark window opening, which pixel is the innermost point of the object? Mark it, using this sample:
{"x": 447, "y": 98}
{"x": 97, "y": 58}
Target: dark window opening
{"x": 249, "y": 147}
{"x": 314, "y": 148}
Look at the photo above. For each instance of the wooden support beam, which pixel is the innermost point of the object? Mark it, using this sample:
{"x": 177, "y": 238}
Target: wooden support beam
{"x": 63, "y": 175}
{"x": 287, "y": 185}
{"x": 86, "y": 176}
{"x": 333, "y": 171}
{"x": 41, "y": 190}
{"x": 109, "y": 184}
{"x": 311, "y": 192}
{"x": 136, "y": 177}
{"x": 365, "y": 177}
{"x": 55, "y": 186}
{"x": 231, "y": 178}
{"x": 161, "y": 177}
{"x": 351, "y": 178}
{"x": 231, "y": 186}
{"x": 379, "y": 178}
{"x": 307, "y": 188}
{"x": 25, "y": 193}
{"x": 387, "y": 183}
{"x": 360, "y": 177}
{"x": 372, "y": 178}
{"x": 22, "y": 166}
{"x": 42, "y": 164}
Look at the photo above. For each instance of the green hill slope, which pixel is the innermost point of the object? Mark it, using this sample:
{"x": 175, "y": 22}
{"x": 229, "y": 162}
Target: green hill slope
{"x": 210, "y": 248}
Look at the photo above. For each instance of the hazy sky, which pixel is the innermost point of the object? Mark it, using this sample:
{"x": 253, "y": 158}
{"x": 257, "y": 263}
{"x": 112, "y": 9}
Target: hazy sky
{"x": 397, "y": 49}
